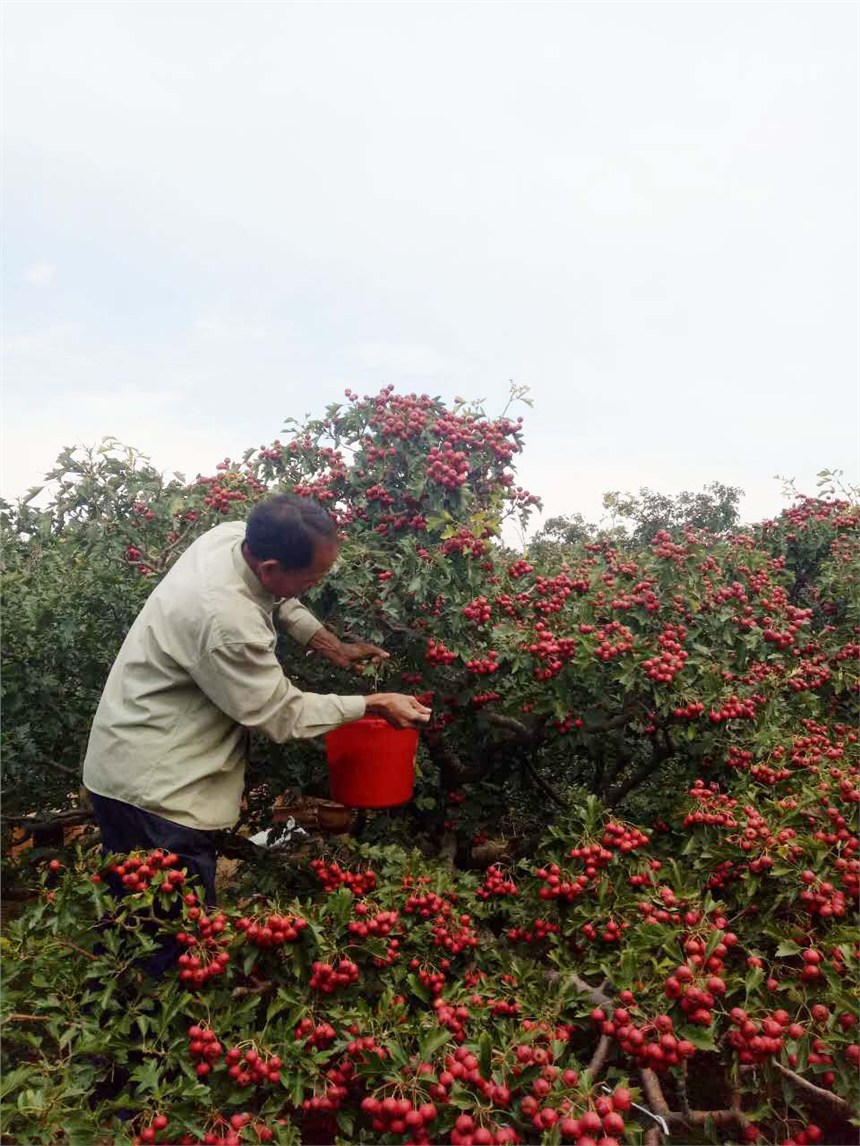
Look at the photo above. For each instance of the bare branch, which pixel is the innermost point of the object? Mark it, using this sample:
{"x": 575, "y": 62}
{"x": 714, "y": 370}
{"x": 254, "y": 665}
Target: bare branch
{"x": 601, "y": 1054}
{"x": 815, "y": 1093}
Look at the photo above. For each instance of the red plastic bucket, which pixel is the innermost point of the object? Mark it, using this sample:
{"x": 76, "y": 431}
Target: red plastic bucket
{"x": 371, "y": 764}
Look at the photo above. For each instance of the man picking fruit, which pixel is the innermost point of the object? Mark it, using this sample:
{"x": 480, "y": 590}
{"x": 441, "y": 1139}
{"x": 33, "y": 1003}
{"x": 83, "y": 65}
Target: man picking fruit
{"x": 165, "y": 763}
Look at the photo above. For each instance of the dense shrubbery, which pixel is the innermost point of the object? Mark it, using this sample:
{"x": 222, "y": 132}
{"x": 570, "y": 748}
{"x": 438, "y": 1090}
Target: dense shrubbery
{"x": 666, "y": 713}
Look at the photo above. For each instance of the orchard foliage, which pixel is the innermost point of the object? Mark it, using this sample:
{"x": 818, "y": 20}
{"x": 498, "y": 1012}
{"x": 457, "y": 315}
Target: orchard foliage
{"x": 636, "y": 815}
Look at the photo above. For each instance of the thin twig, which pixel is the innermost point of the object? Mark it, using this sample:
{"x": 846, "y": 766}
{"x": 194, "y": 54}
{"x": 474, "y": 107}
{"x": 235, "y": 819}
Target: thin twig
{"x": 25, "y": 1018}
{"x": 681, "y": 1082}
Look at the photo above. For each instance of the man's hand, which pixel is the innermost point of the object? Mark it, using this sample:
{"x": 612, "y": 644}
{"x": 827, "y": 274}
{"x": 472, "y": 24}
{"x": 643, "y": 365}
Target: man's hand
{"x": 400, "y": 710}
{"x": 344, "y": 654}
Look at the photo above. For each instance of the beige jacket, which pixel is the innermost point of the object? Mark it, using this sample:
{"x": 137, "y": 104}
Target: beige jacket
{"x": 197, "y": 669}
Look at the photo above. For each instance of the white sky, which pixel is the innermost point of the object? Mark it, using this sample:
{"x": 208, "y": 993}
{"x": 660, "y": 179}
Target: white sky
{"x": 219, "y": 215}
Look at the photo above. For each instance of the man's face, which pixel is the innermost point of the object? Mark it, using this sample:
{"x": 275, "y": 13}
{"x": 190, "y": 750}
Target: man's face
{"x": 282, "y": 582}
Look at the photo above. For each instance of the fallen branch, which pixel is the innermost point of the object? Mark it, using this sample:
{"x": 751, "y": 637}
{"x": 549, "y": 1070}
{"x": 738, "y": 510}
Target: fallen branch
{"x": 816, "y": 1093}
{"x": 61, "y": 820}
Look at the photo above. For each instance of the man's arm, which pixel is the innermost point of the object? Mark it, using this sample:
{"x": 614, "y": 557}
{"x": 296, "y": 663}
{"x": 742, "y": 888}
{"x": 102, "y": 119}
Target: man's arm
{"x": 294, "y": 618}
{"x": 248, "y": 684}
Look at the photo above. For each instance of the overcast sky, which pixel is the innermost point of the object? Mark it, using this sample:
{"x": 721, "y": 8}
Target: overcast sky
{"x": 219, "y": 215}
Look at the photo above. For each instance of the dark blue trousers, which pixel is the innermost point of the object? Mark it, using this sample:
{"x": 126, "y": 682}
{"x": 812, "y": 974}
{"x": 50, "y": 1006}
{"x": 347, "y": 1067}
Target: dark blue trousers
{"x": 125, "y": 828}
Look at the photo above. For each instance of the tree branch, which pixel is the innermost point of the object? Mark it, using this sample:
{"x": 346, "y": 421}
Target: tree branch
{"x": 816, "y": 1093}
{"x": 601, "y": 1054}
{"x": 543, "y": 785}
{"x": 62, "y": 819}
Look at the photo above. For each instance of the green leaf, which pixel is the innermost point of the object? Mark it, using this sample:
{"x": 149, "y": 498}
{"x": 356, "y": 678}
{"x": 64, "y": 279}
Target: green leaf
{"x": 485, "y": 1055}
{"x": 787, "y": 947}
{"x": 432, "y": 1042}
{"x": 700, "y": 1038}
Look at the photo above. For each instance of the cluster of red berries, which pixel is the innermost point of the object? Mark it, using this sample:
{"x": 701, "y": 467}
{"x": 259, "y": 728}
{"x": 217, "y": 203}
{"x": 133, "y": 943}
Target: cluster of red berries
{"x": 380, "y": 494}
{"x": 273, "y": 930}
{"x": 482, "y": 698}
{"x": 150, "y": 1133}
{"x": 464, "y": 541}
{"x": 380, "y": 924}
{"x": 535, "y": 933}
{"x": 604, "y": 1123}
{"x": 332, "y": 876}
{"x": 821, "y": 898}
{"x": 554, "y": 591}
{"x": 392, "y": 1115}
{"x": 662, "y": 545}
{"x": 479, "y": 610}
{"x": 447, "y": 467}
{"x": 641, "y": 594}
{"x": 484, "y": 666}
{"x": 468, "y": 1132}
{"x": 622, "y": 837}
{"x": 463, "y": 1066}
{"x": 220, "y": 496}
{"x": 613, "y": 640}
{"x": 809, "y": 675}
{"x": 651, "y": 1044}
{"x": 807, "y": 1136}
{"x": 735, "y": 709}
{"x": 437, "y": 654}
{"x": 433, "y": 981}
{"x": 713, "y": 806}
{"x": 136, "y": 872}
{"x": 205, "y": 963}
{"x": 495, "y": 885}
{"x": 250, "y": 1068}
{"x": 319, "y": 1035}
{"x": 558, "y": 886}
{"x": 329, "y": 978}
{"x": 551, "y": 650}
{"x": 611, "y": 932}
{"x": 784, "y": 638}
{"x": 454, "y": 1017}
{"x": 426, "y": 904}
{"x": 453, "y": 936}
{"x": 564, "y": 726}
{"x": 754, "y": 1041}
{"x": 672, "y": 658}
{"x": 520, "y": 568}
{"x": 204, "y": 1046}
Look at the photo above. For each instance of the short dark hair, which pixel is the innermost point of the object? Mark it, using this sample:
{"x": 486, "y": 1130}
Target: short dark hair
{"x": 288, "y": 528}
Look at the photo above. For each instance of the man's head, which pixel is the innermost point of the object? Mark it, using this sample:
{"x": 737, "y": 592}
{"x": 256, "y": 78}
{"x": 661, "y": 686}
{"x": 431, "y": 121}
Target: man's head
{"x": 290, "y": 543}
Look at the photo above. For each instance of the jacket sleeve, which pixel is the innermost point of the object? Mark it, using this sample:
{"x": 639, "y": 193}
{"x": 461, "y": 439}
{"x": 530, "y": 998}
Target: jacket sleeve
{"x": 294, "y": 618}
{"x": 248, "y": 684}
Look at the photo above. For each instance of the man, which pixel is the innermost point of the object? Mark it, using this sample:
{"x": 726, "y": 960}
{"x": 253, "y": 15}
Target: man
{"x": 165, "y": 761}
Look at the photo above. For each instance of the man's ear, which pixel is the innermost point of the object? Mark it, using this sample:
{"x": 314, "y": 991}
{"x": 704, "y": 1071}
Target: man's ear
{"x": 269, "y": 566}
